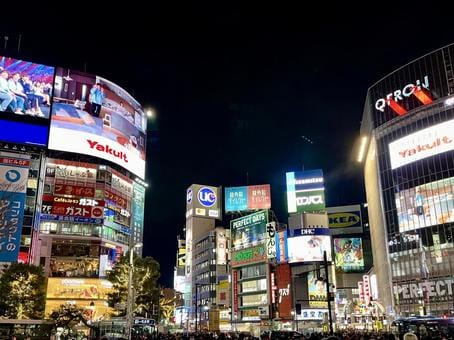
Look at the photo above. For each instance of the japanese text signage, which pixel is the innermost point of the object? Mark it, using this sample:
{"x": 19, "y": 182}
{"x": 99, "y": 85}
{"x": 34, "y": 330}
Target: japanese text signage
{"x": 245, "y": 198}
{"x": 249, "y": 230}
{"x": 305, "y": 191}
{"x": 13, "y": 185}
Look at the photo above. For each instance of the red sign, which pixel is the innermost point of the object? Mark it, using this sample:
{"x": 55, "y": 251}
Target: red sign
{"x": 235, "y": 290}
{"x": 361, "y": 291}
{"x": 23, "y": 257}
{"x": 284, "y": 294}
{"x": 74, "y": 190}
{"x": 366, "y": 289}
{"x": 115, "y": 199}
{"x": 273, "y": 288}
{"x": 78, "y": 207}
{"x": 259, "y": 197}
{"x": 15, "y": 161}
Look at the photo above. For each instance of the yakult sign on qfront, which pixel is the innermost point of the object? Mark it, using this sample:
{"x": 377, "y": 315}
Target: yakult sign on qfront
{"x": 422, "y": 144}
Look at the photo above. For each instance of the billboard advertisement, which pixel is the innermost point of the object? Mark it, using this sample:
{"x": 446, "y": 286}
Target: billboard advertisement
{"x": 30, "y": 133}
{"x": 138, "y": 207}
{"x": 305, "y": 191}
{"x": 284, "y": 297}
{"x": 93, "y": 116}
{"x": 253, "y": 197}
{"x": 221, "y": 247}
{"x": 13, "y": 186}
{"x": 422, "y": 144}
{"x": 203, "y": 201}
{"x": 249, "y": 230}
{"x": 426, "y": 205}
{"x": 271, "y": 240}
{"x": 56, "y": 208}
{"x": 26, "y": 88}
{"x": 348, "y": 254}
{"x": 281, "y": 247}
{"x": 249, "y": 255}
{"x": 310, "y": 246}
{"x": 347, "y": 218}
{"x": 316, "y": 287}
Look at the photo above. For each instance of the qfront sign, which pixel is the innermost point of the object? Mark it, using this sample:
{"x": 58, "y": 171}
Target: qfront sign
{"x": 203, "y": 201}
{"x": 305, "y": 191}
{"x": 422, "y": 144}
{"x": 395, "y": 98}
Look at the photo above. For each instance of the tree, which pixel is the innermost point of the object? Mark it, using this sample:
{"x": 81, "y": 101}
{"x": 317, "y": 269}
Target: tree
{"x": 23, "y": 292}
{"x": 167, "y": 307}
{"x": 68, "y": 316}
{"x": 145, "y": 285}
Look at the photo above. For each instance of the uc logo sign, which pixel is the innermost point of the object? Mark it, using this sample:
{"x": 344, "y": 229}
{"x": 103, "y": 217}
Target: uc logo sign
{"x": 12, "y": 176}
{"x": 206, "y": 197}
{"x": 189, "y": 196}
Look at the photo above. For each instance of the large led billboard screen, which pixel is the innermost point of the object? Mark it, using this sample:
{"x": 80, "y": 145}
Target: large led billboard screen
{"x": 317, "y": 291}
{"x": 310, "y": 246}
{"x": 426, "y": 205}
{"x": 249, "y": 230}
{"x": 348, "y": 253}
{"x": 251, "y": 197}
{"x": 305, "y": 191}
{"x": 422, "y": 144}
{"x": 93, "y": 116}
{"x": 26, "y": 88}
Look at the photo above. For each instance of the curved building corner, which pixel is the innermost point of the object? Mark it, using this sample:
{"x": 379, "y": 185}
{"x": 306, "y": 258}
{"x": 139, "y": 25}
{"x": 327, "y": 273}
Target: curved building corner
{"x": 408, "y": 142}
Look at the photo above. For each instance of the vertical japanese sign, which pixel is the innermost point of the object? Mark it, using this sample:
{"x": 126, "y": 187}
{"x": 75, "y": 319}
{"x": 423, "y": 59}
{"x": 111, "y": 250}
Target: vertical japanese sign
{"x": 13, "y": 186}
{"x": 138, "y": 208}
{"x": 366, "y": 289}
{"x": 235, "y": 290}
{"x": 271, "y": 240}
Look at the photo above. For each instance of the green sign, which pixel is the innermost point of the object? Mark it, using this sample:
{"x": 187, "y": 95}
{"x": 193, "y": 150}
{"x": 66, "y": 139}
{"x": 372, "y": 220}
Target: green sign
{"x": 308, "y": 201}
{"x": 249, "y": 230}
{"x": 138, "y": 207}
{"x": 249, "y": 255}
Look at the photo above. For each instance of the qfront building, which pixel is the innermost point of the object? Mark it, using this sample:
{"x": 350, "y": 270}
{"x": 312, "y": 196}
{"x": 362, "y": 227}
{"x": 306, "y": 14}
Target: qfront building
{"x": 407, "y": 143}
{"x": 72, "y": 156}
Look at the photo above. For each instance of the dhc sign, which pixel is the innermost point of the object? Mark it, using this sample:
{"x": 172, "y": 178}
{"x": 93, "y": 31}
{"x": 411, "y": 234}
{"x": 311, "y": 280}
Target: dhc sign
{"x": 206, "y": 197}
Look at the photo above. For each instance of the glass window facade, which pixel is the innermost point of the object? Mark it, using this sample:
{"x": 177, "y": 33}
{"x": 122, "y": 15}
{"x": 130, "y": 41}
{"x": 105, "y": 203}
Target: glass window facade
{"x": 417, "y": 198}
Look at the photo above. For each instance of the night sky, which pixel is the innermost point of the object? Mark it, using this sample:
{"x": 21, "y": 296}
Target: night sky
{"x": 236, "y": 89}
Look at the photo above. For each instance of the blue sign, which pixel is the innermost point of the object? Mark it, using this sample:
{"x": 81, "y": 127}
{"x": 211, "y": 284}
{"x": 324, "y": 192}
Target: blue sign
{"x": 236, "y": 199}
{"x": 281, "y": 246}
{"x": 77, "y": 219}
{"x": 189, "y": 196}
{"x": 23, "y": 133}
{"x": 206, "y": 197}
{"x": 311, "y": 231}
{"x": 11, "y": 217}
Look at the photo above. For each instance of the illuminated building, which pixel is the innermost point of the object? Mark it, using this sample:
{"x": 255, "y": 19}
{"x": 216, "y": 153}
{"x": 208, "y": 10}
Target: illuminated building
{"x": 75, "y": 147}
{"x": 407, "y": 143}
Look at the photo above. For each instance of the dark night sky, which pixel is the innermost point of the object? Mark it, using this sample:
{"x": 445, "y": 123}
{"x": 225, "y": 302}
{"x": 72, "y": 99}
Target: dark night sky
{"x": 236, "y": 88}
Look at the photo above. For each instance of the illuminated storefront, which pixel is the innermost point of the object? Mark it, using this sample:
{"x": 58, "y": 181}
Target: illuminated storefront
{"x": 408, "y": 137}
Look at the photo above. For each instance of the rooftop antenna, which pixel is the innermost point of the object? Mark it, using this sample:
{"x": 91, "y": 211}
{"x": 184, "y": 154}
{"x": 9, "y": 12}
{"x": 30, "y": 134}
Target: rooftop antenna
{"x": 18, "y": 43}
{"x": 6, "y": 41}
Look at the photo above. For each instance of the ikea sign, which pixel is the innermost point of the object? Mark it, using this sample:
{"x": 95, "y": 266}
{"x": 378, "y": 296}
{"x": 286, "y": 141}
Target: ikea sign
{"x": 344, "y": 219}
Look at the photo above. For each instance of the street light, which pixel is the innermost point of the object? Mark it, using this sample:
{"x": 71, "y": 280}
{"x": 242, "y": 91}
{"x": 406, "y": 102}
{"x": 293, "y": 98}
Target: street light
{"x": 129, "y": 316}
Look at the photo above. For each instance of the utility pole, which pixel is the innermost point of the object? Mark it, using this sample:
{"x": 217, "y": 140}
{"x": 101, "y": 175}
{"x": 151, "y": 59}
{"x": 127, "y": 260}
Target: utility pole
{"x": 325, "y": 264}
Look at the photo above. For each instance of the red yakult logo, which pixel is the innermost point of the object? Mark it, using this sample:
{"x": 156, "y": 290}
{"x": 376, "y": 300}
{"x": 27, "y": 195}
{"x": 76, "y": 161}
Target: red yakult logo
{"x": 107, "y": 149}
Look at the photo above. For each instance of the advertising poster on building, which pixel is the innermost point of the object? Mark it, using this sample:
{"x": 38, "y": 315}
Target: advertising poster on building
{"x": 221, "y": 248}
{"x": 249, "y": 230}
{"x": 284, "y": 297}
{"x": 305, "y": 191}
{"x": 310, "y": 246}
{"x": 281, "y": 247}
{"x": 93, "y": 116}
{"x": 348, "y": 254}
{"x": 13, "y": 186}
{"x": 253, "y": 197}
{"x": 317, "y": 291}
{"x": 138, "y": 208}
{"x": 426, "y": 205}
{"x": 249, "y": 255}
{"x": 422, "y": 144}
{"x": 271, "y": 240}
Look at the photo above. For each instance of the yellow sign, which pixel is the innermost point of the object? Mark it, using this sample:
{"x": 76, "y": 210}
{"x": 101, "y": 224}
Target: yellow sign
{"x": 344, "y": 219}
{"x": 71, "y": 288}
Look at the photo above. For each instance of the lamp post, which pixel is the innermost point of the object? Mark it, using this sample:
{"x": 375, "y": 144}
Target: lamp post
{"x": 129, "y": 317}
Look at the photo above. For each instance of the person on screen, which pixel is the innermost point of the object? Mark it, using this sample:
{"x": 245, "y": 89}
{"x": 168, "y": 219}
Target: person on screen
{"x": 6, "y": 96}
{"x": 16, "y": 88}
{"x": 419, "y": 202}
{"x": 96, "y": 98}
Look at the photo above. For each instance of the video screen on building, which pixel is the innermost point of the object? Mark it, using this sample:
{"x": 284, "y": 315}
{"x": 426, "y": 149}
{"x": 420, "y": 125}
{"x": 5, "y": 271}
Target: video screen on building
{"x": 305, "y": 191}
{"x": 249, "y": 230}
{"x": 348, "y": 254}
{"x": 317, "y": 291}
{"x": 26, "y": 88}
{"x": 93, "y": 116}
{"x": 310, "y": 247}
{"x": 426, "y": 205}
{"x": 23, "y": 133}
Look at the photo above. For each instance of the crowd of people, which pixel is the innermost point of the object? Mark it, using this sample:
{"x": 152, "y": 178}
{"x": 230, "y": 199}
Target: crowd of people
{"x": 20, "y": 95}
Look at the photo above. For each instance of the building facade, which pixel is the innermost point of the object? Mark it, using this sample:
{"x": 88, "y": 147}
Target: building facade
{"x": 407, "y": 143}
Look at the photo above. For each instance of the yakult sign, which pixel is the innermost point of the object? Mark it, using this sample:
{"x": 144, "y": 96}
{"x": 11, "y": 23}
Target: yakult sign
{"x": 422, "y": 144}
